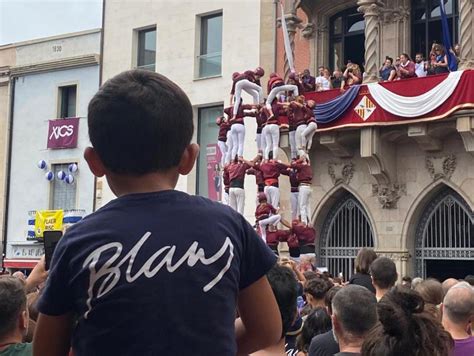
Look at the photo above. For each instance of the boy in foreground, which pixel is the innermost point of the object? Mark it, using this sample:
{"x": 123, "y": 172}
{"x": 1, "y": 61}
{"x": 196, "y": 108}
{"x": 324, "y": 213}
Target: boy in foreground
{"x": 155, "y": 271}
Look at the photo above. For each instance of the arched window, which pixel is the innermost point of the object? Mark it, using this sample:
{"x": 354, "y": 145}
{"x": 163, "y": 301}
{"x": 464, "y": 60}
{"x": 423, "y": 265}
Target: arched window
{"x": 346, "y": 38}
{"x": 426, "y": 23}
{"x": 445, "y": 238}
{"x": 345, "y": 231}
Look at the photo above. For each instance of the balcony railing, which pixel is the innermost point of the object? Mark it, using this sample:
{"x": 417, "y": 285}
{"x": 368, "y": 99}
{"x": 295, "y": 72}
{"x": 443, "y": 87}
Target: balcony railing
{"x": 210, "y": 64}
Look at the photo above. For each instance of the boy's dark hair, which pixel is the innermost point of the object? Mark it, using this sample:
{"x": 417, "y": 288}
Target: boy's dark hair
{"x": 140, "y": 122}
{"x": 317, "y": 287}
{"x": 285, "y": 289}
{"x": 384, "y": 272}
{"x": 12, "y": 303}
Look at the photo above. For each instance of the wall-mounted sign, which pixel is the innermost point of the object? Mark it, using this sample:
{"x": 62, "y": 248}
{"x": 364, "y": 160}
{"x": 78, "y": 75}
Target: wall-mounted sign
{"x": 63, "y": 133}
{"x": 48, "y": 220}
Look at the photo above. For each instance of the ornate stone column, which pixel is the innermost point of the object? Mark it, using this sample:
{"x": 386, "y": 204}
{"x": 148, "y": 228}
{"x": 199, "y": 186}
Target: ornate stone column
{"x": 371, "y": 10}
{"x": 466, "y": 33}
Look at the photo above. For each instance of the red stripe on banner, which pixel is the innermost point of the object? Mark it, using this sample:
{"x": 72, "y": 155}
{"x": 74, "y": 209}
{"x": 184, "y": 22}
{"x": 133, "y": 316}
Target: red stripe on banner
{"x": 462, "y": 98}
{"x": 12, "y": 263}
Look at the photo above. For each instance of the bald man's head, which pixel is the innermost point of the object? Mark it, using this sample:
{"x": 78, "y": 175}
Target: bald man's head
{"x": 448, "y": 283}
{"x": 458, "y": 304}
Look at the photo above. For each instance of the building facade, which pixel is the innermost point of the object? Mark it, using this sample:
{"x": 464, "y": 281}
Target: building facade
{"x": 405, "y": 189}
{"x": 51, "y": 82}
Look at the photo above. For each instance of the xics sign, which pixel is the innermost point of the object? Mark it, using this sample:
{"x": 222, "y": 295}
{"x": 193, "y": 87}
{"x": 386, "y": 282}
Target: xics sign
{"x": 63, "y": 133}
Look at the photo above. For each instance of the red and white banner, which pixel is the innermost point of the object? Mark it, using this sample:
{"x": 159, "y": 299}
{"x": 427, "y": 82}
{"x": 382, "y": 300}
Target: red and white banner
{"x": 365, "y": 110}
{"x": 63, "y": 133}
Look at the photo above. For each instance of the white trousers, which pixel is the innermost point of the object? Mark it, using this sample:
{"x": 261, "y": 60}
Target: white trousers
{"x": 277, "y": 90}
{"x": 225, "y": 198}
{"x": 308, "y": 134}
{"x": 223, "y": 149}
{"x": 294, "y": 205}
{"x": 304, "y": 197}
{"x": 271, "y": 220}
{"x": 299, "y": 137}
{"x": 294, "y": 149}
{"x": 251, "y": 88}
{"x": 229, "y": 144}
{"x": 237, "y": 199}
{"x": 272, "y": 140}
{"x": 238, "y": 139}
{"x": 273, "y": 195}
{"x": 259, "y": 142}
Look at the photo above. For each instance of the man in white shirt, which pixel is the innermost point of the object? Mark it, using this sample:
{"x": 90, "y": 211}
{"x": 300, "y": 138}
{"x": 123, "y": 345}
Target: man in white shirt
{"x": 420, "y": 65}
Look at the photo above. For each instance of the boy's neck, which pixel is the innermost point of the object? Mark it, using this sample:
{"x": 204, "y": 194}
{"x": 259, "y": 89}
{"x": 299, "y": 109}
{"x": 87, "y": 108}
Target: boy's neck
{"x": 147, "y": 183}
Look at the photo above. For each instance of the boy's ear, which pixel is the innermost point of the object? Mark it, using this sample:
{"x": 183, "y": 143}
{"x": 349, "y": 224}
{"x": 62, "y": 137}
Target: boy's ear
{"x": 95, "y": 163}
{"x": 188, "y": 159}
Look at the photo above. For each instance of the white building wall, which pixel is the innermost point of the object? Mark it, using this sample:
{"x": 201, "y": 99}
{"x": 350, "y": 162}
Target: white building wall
{"x": 177, "y": 48}
{"x": 36, "y": 98}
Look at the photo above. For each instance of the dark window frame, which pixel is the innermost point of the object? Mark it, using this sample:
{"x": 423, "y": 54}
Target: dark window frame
{"x": 64, "y": 101}
{"x": 204, "y": 39}
{"x": 141, "y": 35}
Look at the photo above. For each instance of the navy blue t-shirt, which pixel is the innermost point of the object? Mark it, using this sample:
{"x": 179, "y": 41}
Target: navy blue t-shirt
{"x": 155, "y": 274}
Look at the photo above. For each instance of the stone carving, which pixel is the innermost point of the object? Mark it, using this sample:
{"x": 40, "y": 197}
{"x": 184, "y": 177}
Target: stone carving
{"x": 441, "y": 167}
{"x": 388, "y": 194}
{"x": 341, "y": 172}
{"x": 465, "y": 32}
{"x": 402, "y": 256}
{"x": 309, "y": 29}
{"x": 371, "y": 13}
{"x": 401, "y": 13}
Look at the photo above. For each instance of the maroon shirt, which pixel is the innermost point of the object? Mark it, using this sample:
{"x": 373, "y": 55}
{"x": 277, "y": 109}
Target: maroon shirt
{"x": 249, "y": 75}
{"x": 239, "y": 118}
{"x": 274, "y": 237}
{"x": 410, "y": 67}
{"x": 304, "y": 173}
{"x": 264, "y": 210}
{"x": 306, "y": 234}
{"x": 271, "y": 170}
{"x": 276, "y": 113}
{"x": 273, "y": 83}
{"x": 298, "y": 114}
{"x": 261, "y": 120}
{"x": 224, "y": 127}
{"x": 258, "y": 175}
{"x": 237, "y": 171}
{"x": 225, "y": 178}
{"x": 292, "y": 174}
{"x": 309, "y": 83}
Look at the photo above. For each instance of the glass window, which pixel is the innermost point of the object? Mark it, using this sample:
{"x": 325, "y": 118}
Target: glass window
{"x": 63, "y": 194}
{"x": 67, "y": 101}
{"x": 147, "y": 49}
{"x": 355, "y": 23}
{"x": 210, "y": 55}
{"x": 419, "y": 39}
{"x": 208, "y": 170}
{"x": 338, "y": 58}
{"x": 337, "y": 26}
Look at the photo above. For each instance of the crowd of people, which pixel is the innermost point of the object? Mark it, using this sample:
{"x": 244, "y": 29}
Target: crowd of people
{"x": 321, "y": 315}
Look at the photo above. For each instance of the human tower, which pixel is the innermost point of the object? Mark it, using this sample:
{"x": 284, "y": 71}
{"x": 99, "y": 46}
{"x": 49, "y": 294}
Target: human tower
{"x": 284, "y": 99}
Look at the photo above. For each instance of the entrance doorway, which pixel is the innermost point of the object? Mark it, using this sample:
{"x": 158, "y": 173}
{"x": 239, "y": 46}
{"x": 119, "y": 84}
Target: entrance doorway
{"x": 346, "y": 39}
{"x": 445, "y": 238}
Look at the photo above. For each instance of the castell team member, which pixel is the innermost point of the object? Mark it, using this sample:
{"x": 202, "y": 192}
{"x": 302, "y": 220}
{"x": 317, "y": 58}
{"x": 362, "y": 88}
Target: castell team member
{"x": 271, "y": 170}
{"x": 271, "y": 133}
{"x": 294, "y": 184}
{"x": 237, "y": 128}
{"x": 261, "y": 119}
{"x": 224, "y": 128}
{"x": 304, "y": 176}
{"x": 299, "y": 117}
{"x": 265, "y": 215}
{"x": 259, "y": 181}
{"x": 311, "y": 126}
{"x": 226, "y": 181}
{"x": 237, "y": 169}
{"x": 248, "y": 81}
{"x": 306, "y": 236}
{"x": 274, "y": 236}
{"x": 292, "y": 133}
{"x": 276, "y": 86}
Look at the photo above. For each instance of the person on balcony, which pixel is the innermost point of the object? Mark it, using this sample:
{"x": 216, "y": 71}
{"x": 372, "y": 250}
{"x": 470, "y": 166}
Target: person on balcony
{"x": 441, "y": 64}
{"x": 388, "y": 72}
{"x": 352, "y": 75}
{"x": 406, "y": 68}
{"x": 420, "y": 65}
{"x": 323, "y": 82}
{"x": 308, "y": 81}
{"x": 336, "y": 79}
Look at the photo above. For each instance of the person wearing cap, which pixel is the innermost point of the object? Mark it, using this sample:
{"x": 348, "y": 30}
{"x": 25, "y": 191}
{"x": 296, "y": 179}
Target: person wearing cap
{"x": 265, "y": 215}
{"x": 248, "y": 81}
{"x": 304, "y": 176}
{"x": 224, "y": 128}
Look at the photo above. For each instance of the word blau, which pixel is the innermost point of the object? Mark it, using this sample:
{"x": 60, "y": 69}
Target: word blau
{"x": 110, "y": 271}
